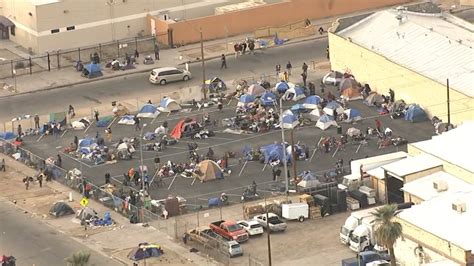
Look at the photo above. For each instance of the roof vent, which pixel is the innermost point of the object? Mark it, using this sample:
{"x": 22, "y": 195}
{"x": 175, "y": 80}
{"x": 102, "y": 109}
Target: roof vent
{"x": 440, "y": 185}
{"x": 401, "y": 14}
{"x": 459, "y": 206}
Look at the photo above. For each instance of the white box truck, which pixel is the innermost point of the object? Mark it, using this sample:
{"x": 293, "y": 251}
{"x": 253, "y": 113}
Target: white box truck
{"x": 295, "y": 211}
{"x": 363, "y": 238}
{"x": 352, "y": 222}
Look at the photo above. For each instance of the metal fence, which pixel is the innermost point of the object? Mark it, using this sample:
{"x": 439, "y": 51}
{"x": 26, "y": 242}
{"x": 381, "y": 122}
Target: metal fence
{"x": 62, "y": 59}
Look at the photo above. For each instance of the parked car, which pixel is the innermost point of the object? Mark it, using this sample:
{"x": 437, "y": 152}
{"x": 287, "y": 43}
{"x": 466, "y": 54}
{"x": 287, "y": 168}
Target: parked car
{"x": 230, "y": 230}
{"x": 168, "y": 74}
{"x": 333, "y": 78}
{"x": 206, "y": 236}
{"x": 233, "y": 248}
{"x": 274, "y": 222}
{"x": 252, "y": 227}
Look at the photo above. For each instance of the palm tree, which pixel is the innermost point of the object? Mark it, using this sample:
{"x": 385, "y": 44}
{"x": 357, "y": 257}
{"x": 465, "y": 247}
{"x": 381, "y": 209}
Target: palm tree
{"x": 80, "y": 258}
{"x": 387, "y": 231}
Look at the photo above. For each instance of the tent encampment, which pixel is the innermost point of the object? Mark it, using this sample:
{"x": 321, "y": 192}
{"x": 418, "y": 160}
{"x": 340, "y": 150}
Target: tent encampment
{"x": 415, "y": 113}
{"x": 314, "y": 115}
{"x": 374, "y": 99}
{"x": 148, "y": 111}
{"x": 294, "y": 94}
{"x": 120, "y": 110}
{"x": 325, "y": 121}
{"x": 347, "y": 83}
{"x": 274, "y": 152}
{"x": 60, "y": 208}
{"x": 333, "y": 106}
{"x": 289, "y": 119}
{"x": 127, "y": 120}
{"x": 246, "y": 98}
{"x": 59, "y": 117}
{"x": 215, "y": 84}
{"x": 168, "y": 105}
{"x": 282, "y": 86}
{"x": 268, "y": 99}
{"x": 352, "y": 115}
{"x": 256, "y": 90}
{"x": 145, "y": 251}
{"x": 312, "y": 102}
{"x": 351, "y": 94}
{"x": 86, "y": 214}
{"x": 209, "y": 170}
{"x": 7, "y": 135}
{"x": 308, "y": 180}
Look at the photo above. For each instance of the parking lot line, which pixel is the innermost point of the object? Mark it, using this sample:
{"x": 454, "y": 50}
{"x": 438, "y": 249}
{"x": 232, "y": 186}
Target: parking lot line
{"x": 85, "y": 131}
{"x": 222, "y": 138}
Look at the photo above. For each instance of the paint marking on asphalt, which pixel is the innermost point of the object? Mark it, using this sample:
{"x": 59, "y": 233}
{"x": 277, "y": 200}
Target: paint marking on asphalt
{"x": 198, "y": 142}
{"x": 89, "y": 126}
{"x": 113, "y": 120}
{"x": 153, "y": 121}
{"x": 65, "y": 131}
{"x": 42, "y": 135}
{"x": 221, "y": 138}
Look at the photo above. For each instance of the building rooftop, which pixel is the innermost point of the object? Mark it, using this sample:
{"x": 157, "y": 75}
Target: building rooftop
{"x": 454, "y": 146}
{"x": 44, "y": 2}
{"x": 423, "y": 188}
{"x": 438, "y": 217}
{"x": 412, "y": 165}
{"x": 436, "y": 45}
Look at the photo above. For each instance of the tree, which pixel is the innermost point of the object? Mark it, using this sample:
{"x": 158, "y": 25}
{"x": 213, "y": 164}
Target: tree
{"x": 387, "y": 230}
{"x": 80, "y": 258}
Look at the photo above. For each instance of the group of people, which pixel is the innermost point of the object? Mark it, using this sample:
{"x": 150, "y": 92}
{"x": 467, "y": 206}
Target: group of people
{"x": 284, "y": 75}
{"x": 241, "y": 48}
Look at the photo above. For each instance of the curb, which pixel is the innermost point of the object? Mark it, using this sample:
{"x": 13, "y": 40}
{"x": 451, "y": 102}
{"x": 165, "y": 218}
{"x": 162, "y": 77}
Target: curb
{"x": 317, "y": 37}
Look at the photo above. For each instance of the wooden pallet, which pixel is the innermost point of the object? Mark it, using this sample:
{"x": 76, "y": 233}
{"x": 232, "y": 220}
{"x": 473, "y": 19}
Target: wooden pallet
{"x": 315, "y": 212}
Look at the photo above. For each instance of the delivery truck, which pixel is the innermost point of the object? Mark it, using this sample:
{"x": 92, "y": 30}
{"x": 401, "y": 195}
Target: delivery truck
{"x": 295, "y": 211}
{"x": 352, "y": 222}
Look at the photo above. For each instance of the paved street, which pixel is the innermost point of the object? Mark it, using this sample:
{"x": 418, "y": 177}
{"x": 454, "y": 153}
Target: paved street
{"x": 33, "y": 242}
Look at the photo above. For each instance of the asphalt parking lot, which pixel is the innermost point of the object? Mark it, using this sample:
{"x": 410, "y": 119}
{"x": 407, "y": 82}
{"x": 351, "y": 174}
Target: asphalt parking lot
{"x": 233, "y": 185}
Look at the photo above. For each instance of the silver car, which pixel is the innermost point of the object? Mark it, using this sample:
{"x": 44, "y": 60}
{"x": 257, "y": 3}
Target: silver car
{"x": 168, "y": 74}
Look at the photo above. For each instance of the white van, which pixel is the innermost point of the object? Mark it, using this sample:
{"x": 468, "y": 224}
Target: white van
{"x": 168, "y": 74}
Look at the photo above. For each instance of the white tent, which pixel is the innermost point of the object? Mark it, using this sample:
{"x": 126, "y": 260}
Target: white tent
{"x": 289, "y": 119}
{"x": 168, "y": 105}
{"x": 294, "y": 94}
{"x": 314, "y": 115}
{"x": 325, "y": 121}
{"x": 333, "y": 106}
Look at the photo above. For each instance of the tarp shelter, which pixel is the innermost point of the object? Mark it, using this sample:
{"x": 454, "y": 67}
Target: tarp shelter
{"x": 312, "y": 102}
{"x": 314, "y": 115}
{"x": 325, "y": 121}
{"x": 352, "y": 115}
{"x": 256, "y": 90}
{"x": 93, "y": 70}
{"x": 273, "y": 152}
{"x": 415, "y": 113}
{"x": 351, "y": 94}
{"x": 148, "y": 111}
{"x": 169, "y": 105}
{"x": 289, "y": 119}
{"x": 268, "y": 99}
{"x": 145, "y": 251}
{"x": 120, "y": 110}
{"x": 308, "y": 180}
{"x": 7, "y": 135}
{"x": 104, "y": 121}
{"x": 181, "y": 127}
{"x": 215, "y": 84}
{"x": 86, "y": 142}
{"x": 347, "y": 83}
{"x": 299, "y": 107}
{"x": 294, "y": 94}
{"x": 209, "y": 170}
{"x": 282, "y": 86}
{"x": 61, "y": 208}
{"x": 246, "y": 98}
{"x": 59, "y": 117}
{"x": 127, "y": 120}
{"x": 333, "y": 106}
{"x": 374, "y": 99}
{"x": 86, "y": 214}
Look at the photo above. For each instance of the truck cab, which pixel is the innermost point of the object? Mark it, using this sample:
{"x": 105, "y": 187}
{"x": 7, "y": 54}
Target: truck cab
{"x": 352, "y": 222}
{"x": 230, "y": 230}
{"x": 362, "y": 239}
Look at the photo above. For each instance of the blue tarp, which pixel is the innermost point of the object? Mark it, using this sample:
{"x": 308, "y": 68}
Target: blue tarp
{"x": 268, "y": 98}
{"x": 415, "y": 113}
{"x": 92, "y": 68}
{"x": 307, "y": 176}
{"x": 86, "y": 142}
{"x": 326, "y": 118}
{"x": 273, "y": 152}
{"x": 282, "y": 87}
{"x": 104, "y": 121}
{"x": 246, "y": 98}
{"x": 289, "y": 120}
{"x": 7, "y": 135}
{"x": 353, "y": 113}
{"x": 298, "y": 107}
{"x": 313, "y": 99}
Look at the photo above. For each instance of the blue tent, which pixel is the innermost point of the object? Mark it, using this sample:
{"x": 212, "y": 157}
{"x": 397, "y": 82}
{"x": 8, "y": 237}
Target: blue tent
{"x": 268, "y": 99}
{"x": 313, "y": 99}
{"x": 246, "y": 98}
{"x": 289, "y": 120}
{"x": 86, "y": 142}
{"x": 282, "y": 87}
{"x": 93, "y": 70}
{"x": 7, "y": 135}
{"x": 298, "y": 107}
{"x": 352, "y": 115}
{"x": 273, "y": 152}
{"x": 415, "y": 113}
{"x": 148, "y": 111}
{"x": 308, "y": 179}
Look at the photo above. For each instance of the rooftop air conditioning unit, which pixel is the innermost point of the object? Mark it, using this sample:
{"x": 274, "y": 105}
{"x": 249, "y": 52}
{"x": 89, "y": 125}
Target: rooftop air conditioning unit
{"x": 459, "y": 206}
{"x": 440, "y": 185}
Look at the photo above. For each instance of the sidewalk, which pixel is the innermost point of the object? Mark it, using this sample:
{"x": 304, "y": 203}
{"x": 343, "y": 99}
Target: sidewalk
{"x": 114, "y": 241}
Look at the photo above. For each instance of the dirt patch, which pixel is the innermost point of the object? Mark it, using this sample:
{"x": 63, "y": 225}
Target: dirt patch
{"x": 168, "y": 258}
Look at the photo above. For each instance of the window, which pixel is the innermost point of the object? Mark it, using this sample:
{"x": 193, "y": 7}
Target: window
{"x": 71, "y": 28}
{"x": 55, "y": 31}
{"x": 12, "y": 30}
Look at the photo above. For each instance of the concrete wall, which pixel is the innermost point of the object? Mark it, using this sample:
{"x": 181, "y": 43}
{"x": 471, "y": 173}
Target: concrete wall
{"x": 382, "y": 74}
{"x": 405, "y": 252}
{"x": 234, "y": 23}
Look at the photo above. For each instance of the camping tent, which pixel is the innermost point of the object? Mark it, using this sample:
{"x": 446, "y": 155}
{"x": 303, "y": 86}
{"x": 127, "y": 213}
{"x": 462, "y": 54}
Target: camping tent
{"x": 351, "y": 94}
{"x": 145, "y": 251}
{"x": 215, "y": 84}
{"x": 148, "y": 111}
{"x": 86, "y": 214}
{"x": 86, "y": 142}
{"x": 256, "y": 90}
{"x": 325, "y": 121}
{"x": 314, "y": 115}
{"x": 352, "y": 115}
{"x": 93, "y": 70}
{"x": 7, "y": 135}
{"x": 182, "y": 126}
{"x": 246, "y": 98}
{"x": 299, "y": 107}
{"x": 273, "y": 152}
{"x": 374, "y": 99}
{"x": 415, "y": 113}
{"x": 209, "y": 170}
{"x": 283, "y": 86}
{"x": 127, "y": 120}
{"x": 169, "y": 105}
{"x": 308, "y": 180}
{"x": 294, "y": 94}
{"x": 268, "y": 98}
{"x": 289, "y": 119}
{"x": 312, "y": 102}
{"x": 347, "y": 83}
{"x": 333, "y": 106}
{"x": 61, "y": 208}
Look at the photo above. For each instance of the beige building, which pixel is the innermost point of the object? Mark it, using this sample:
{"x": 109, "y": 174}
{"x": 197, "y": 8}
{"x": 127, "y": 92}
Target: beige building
{"x": 413, "y": 51}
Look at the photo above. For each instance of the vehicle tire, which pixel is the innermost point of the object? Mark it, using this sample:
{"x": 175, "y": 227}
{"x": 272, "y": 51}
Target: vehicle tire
{"x": 163, "y": 82}
{"x": 366, "y": 249}
{"x": 301, "y": 219}
{"x": 186, "y": 78}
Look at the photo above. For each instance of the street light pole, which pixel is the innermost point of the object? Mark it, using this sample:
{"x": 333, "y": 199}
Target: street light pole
{"x": 269, "y": 246}
{"x": 141, "y": 158}
{"x": 203, "y": 66}
{"x": 285, "y": 160}
{"x": 14, "y": 77}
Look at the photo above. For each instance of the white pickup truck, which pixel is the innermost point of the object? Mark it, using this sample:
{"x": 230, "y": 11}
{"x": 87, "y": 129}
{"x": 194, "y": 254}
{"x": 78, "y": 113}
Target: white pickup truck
{"x": 274, "y": 222}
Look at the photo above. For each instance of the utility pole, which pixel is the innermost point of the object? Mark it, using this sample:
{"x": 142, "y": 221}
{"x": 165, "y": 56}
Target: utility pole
{"x": 293, "y": 156}
{"x": 203, "y": 67}
{"x": 449, "y": 109}
{"x": 269, "y": 246}
{"x": 285, "y": 160}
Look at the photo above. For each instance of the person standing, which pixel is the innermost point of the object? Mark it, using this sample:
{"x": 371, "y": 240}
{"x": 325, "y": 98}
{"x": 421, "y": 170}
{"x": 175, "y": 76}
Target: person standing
{"x": 304, "y": 76}
{"x": 137, "y": 123}
{"x": 392, "y": 95}
{"x": 40, "y": 180}
{"x": 244, "y": 47}
{"x": 3, "y": 166}
{"x": 107, "y": 178}
{"x": 27, "y": 182}
{"x": 136, "y": 53}
{"x": 108, "y": 134}
{"x": 223, "y": 61}
{"x": 305, "y": 68}
{"x": 312, "y": 88}
{"x": 157, "y": 52}
{"x": 236, "y": 49}
{"x": 252, "y": 46}
{"x": 219, "y": 105}
{"x": 378, "y": 125}
{"x": 96, "y": 115}
{"x": 71, "y": 111}
{"x": 288, "y": 68}
{"x": 19, "y": 130}
{"x": 286, "y": 76}
{"x": 327, "y": 52}
{"x": 37, "y": 121}
{"x": 277, "y": 70}
{"x": 59, "y": 161}
{"x": 76, "y": 142}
